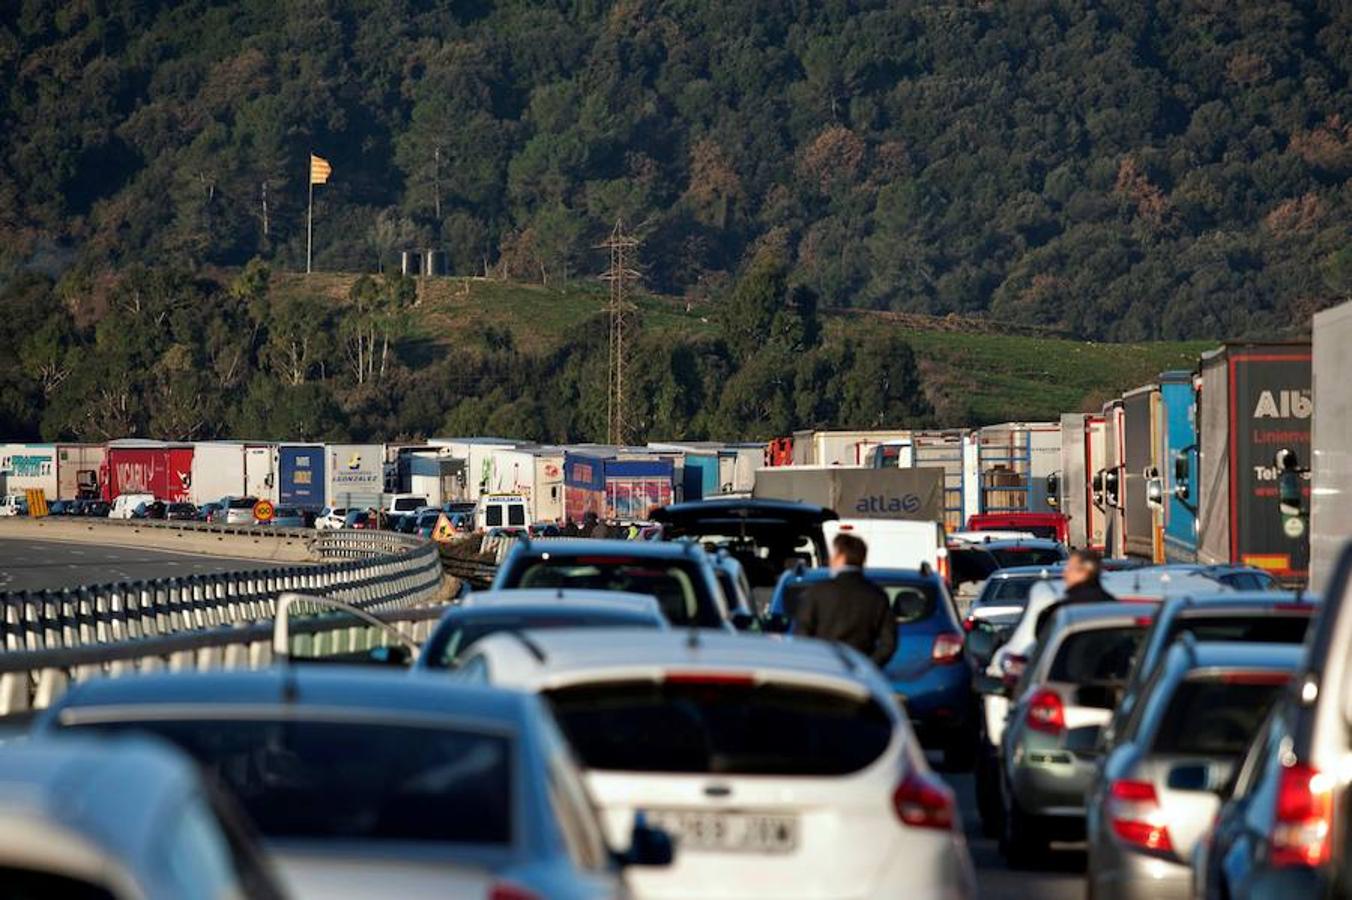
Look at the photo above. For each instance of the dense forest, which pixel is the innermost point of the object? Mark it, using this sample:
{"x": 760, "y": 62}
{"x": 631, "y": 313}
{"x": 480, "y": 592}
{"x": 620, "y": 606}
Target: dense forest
{"x": 1120, "y": 170}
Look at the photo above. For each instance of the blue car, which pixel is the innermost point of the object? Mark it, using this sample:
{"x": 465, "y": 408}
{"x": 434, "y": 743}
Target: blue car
{"x": 928, "y": 671}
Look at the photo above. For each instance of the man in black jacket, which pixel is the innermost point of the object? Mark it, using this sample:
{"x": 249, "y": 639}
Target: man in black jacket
{"x": 849, "y": 608}
{"x": 1083, "y": 576}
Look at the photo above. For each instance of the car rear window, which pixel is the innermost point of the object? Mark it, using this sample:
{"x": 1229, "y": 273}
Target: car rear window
{"x": 970, "y": 564}
{"x": 409, "y": 504}
{"x": 352, "y": 780}
{"x": 1026, "y": 556}
{"x": 912, "y": 602}
{"x": 448, "y": 644}
{"x": 242, "y": 503}
{"x": 678, "y": 585}
{"x": 714, "y": 727}
{"x": 1008, "y": 591}
{"x": 1097, "y": 656}
{"x": 1271, "y": 627}
{"x": 1214, "y": 717}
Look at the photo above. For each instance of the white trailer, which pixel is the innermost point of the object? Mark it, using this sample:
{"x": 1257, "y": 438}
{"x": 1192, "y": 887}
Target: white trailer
{"x": 355, "y": 475}
{"x": 1331, "y": 456}
{"x": 77, "y": 470}
{"x": 217, "y": 471}
{"x": 839, "y": 448}
{"x": 477, "y": 452}
{"x": 260, "y": 471}
{"x": 535, "y": 473}
{"x": 25, "y": 467}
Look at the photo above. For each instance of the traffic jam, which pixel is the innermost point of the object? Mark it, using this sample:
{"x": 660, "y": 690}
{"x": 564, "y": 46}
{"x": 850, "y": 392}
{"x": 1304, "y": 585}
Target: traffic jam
{"x": 829, "y": 665}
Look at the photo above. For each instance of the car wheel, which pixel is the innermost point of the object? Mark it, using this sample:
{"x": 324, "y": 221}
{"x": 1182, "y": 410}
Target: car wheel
{"x": 1020, "y": 843}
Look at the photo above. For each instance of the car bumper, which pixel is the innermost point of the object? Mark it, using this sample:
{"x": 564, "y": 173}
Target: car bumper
{"x": 1051, "y": 783}
{"x": 939, "y": 705}
{"x": 1122, "y": 874}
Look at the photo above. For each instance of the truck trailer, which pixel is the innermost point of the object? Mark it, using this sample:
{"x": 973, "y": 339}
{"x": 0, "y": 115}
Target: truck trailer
{"x": 625, "y": 490}
{"x": 301, "y": 476}
{"x": 27, "y": 467}
{"x": 1141, "y": 477}
{"x": 1006, "y": 467}
{"x": 148, "y": 467}
{"x": 1082, "y": 436}
{"x": 1178, "y": 396}
{"x": 354, "y": 475}
{"x": 1331, "y": 458}
{"x": 77, "y": 471}
{"x": 1254, "y": 401}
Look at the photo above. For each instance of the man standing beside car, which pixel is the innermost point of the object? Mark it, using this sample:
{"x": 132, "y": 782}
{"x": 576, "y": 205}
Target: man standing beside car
{"x": 849, "y": 608}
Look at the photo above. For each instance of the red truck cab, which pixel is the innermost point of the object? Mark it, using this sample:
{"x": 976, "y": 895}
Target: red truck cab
{"x": 1054, "y": 526}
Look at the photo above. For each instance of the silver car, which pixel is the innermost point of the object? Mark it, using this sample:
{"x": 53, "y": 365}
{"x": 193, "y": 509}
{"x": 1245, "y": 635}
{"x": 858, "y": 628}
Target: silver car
{"x": 124, "y": 819}
{"x": 1067, "y": 694}
{"x": 1155, "y": 799}
{"x": 379, "y": 784}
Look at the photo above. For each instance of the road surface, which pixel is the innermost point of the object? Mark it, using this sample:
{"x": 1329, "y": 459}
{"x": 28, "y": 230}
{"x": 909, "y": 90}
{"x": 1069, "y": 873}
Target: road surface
{"x": 1061, "y": 876}
{"x": 33, "y": 565}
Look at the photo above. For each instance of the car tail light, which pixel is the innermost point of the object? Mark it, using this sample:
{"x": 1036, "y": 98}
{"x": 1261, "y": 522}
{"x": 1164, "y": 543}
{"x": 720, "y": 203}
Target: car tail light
{"x": 1134, "y": 811}
{"x": 947, "y": 648}
{"x": 969, "y": 623}
{"x": 1046, "y": 712}
{"x": 1259, "y": 679}
{"x": 1302, "y": 830}
{"x": 945, "y": 568}
{"x": 923, "y": 801}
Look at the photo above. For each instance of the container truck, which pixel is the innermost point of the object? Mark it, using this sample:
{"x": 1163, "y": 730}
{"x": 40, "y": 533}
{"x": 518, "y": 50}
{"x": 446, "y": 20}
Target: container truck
{"x": 1006, "y": 466}
{"x": 535, "y": 473}
{"x": 1107, "y": 480}
{"x": 619, "y": 489}
{"x": 1254, "y": 402}
{"x": 1331, "y": 460}
{"x": 260, "y": 476}
{"x": 839, "y": 448}
{"x": 77, "y": 471}
{"x": 300, "y": 476}
{"x": 148, "y": 467}
{"x": 435, "y": 474}
{"x": 354, "y": 475}
{"x": 943, "y": 449}
{"x": 477, "y": 452}
{"x": 217, "y": 471}
{"x": 857, "y": 492}
{"x": 1081, "y": 456}
{"x": 1178, "y": 395}
{"x": 27, "y": 467}
{"x": 1141, "y": 474}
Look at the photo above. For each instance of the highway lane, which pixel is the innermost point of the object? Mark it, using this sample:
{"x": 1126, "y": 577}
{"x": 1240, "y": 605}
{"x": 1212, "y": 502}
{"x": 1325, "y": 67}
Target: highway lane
{"x": 1060, "y": 877}
{"x": 27, "y": 565}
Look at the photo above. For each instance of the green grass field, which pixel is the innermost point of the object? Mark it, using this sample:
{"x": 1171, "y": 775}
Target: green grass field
{"x": 972, "y": 377}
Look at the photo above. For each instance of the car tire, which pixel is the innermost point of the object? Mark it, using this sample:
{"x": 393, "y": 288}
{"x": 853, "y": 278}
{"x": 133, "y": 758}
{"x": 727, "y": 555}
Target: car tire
{"x": 1020, "y": 842}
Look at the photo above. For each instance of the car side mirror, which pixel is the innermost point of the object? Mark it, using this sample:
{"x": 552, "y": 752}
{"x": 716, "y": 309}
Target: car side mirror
{"x": 648, "y": 846}
{"x": 777, "y": 623}
{"x": 742, "y": 620}
{"x": 990, "y": 685}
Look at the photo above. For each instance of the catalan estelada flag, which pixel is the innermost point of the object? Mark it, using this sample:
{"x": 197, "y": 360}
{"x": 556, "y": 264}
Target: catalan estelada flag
{"x": 320, "y": 170}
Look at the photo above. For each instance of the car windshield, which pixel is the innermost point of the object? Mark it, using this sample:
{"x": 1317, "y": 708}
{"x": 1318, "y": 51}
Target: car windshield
{"x": 449, "y": 643}
{"x": 678, "y": 585}
{"x": 1097, "y": 656}
{"x": 1216, "y": 717}
{"x": 1023, "y": 555}
{"x": 352, "y": 780}
{"x": 720, "y": 727}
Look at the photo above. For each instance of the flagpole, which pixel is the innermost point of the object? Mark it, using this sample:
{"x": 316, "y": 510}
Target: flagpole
{"x": 310, "y": 222}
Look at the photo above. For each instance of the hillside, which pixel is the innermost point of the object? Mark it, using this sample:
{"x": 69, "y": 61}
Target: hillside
{"x": 970, "y": 374}
{"x": 1119, "y": 170}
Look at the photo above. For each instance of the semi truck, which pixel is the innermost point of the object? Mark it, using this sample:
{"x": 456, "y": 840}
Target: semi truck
{"x": 27, "y": 467}
{"x": 354, "y": 475}
{"x": 1141, "y": 474}
{"x": 1178, "y": 396}
{"x": 839, "y": 448}
{"x": 1107, "y": 480}
{"x": 625, "y": 490}
{"x": 941, "y": 449}
{"x": 1082, "y": 437}
{"x": 858, "y": 492}
{"x": 1331, "y": 458}
{"x": 1006, "y": 467}
{"x": 77, "y": 471}
{"x": 1254, "y": 410}
{"x": 148, "y": 467}
{"x": 301, "y": 476}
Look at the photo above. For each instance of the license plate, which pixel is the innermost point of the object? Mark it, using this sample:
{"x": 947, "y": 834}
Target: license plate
{"x": 727, "y": 832}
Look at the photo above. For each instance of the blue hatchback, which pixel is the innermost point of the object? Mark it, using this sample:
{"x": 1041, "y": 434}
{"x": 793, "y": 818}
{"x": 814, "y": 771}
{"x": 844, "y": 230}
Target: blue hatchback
{"x": 928, "y": 671}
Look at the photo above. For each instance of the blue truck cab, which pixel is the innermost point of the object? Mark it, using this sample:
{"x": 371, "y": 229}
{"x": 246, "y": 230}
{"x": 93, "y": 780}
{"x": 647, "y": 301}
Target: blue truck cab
{"x": 1179, "y": 399}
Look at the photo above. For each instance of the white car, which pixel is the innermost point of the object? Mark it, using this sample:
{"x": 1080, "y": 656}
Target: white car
{"x": 399, "y": 504}
{"x": 331, "y": 517}
{"x": 13, "y": 505}
{"x": 238, "y": 511}
{"x": 782, "y": 769}
{"x": 125, "y": 505}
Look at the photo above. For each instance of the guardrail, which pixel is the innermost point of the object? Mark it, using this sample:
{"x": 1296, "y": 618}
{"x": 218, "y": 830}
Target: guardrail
{"x": 370, "y": 569}
{"x": 30, "y": 680}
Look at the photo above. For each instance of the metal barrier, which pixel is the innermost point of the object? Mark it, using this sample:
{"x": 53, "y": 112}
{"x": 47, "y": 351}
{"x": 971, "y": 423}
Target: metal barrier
{"x": 373, "y": 570}
{"x": 30, "y": 680}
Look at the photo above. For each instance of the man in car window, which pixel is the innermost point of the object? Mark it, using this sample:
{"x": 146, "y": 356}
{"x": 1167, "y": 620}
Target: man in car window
{"x": 849, "y": 608}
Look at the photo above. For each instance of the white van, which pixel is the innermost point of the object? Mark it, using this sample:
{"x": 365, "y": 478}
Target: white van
{"x": 500, "y": 511}
{"x": 398, "y": 504}
{"x": 895, "y": 543}
{"x": 14, "y": 505}
{"x": 124, "y": 505}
